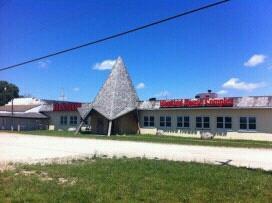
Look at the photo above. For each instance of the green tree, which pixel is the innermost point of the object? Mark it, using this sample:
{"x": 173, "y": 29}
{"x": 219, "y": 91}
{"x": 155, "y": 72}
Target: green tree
{"x": 8, "y": 91}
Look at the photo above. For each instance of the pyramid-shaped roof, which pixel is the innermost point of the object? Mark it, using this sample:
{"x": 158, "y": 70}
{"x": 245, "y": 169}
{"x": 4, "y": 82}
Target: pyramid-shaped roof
{"x": 117, "y": 96}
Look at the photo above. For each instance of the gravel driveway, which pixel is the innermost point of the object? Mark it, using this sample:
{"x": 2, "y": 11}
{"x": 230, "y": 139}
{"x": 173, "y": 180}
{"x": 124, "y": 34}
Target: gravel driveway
{"x": 34, "y": 149}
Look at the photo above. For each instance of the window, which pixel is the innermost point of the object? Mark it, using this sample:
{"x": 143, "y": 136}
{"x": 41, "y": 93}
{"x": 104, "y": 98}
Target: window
{"x": 224, "y": 122}
{"x": 203, "y": 122}
{"x": 228, "y": 122}
{"x": 63, "y": 120}
{"x": 252, "y": 123}
{"x": 168, "y": 121}
{"x": 149, "y": 121}
{"x": 198, "y": 122}
{"x": 206, "y": 122}
{"x": 162, "y": 121}
{"x": 220, "y": 122}
{"x": 248, "y": 123}
{"x": 186, "y": 121}
{"x": 73, "y": 120}
{"x": 183, "y": 122}
{"x": 165, "y": 121}
{"x": 145, "y": 120}
{"x": 179, "y": 122}
{"x": 243, "y": 123}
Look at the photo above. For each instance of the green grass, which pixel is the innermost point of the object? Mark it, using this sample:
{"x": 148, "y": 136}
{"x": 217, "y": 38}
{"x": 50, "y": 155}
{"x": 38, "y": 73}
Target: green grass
{"x": 135, "y": 180}
{"x": 162, "y": 139}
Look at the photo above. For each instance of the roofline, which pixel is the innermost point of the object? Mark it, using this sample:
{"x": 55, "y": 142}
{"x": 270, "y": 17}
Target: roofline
{"x": 205, "y": 98}
{"x": 202, "y": 108}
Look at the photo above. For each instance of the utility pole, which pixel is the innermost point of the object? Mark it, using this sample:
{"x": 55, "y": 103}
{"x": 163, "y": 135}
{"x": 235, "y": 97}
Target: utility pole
{"x": 4, "y": 95}
{"x": 62, "y": 95}
{"x": 12, "y": 110}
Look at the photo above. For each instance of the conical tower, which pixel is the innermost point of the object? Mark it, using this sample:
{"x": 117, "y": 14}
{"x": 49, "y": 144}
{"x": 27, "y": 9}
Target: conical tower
{"x": 117, "y": 96}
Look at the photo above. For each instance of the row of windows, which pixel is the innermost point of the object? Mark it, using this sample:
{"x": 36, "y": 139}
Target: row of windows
{"x": 202, "y": 122}
{"x": 72, "y": 121}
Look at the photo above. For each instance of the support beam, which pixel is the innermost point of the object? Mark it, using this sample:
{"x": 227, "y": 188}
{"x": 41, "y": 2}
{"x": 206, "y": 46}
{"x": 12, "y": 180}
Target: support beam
{"x": 109, "y": 129}
{"x": 79, "y": 127}
{"x": 138, "y": 122}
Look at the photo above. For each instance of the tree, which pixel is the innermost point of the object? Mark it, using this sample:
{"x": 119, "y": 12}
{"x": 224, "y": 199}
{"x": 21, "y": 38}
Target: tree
{"x": 8, "y": 91}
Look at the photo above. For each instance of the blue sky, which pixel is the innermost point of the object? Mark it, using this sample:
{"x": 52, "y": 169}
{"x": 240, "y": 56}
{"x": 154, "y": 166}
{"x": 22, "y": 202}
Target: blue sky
{"x": 226, "y": 49}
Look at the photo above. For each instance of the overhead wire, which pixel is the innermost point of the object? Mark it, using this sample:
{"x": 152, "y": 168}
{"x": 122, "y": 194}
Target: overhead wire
{"x": 116, "y": 35}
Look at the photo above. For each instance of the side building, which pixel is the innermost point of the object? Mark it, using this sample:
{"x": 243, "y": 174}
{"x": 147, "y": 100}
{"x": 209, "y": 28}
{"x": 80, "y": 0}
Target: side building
{"x": 231, "y": 118}
{"x": 38, "y": 114}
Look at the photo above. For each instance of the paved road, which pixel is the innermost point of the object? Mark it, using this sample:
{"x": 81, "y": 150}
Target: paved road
{"x": 33, "y": 149}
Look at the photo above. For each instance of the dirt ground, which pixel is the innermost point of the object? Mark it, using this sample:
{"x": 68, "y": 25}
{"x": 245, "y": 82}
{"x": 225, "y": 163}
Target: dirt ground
{"x": 16, "y": 148}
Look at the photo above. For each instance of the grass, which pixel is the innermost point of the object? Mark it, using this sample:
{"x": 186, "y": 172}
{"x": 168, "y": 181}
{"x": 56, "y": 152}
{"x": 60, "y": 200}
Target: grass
{"x": 134, "y": 180}
{"x": 162, "y": 139}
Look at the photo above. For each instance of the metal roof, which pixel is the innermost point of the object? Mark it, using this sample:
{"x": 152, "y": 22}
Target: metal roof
{"x": 23, "y": 115}
{"x": 17, "y": 108}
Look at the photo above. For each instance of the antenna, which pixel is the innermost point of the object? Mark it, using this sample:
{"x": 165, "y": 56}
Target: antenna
{"x": 62, "y": 95}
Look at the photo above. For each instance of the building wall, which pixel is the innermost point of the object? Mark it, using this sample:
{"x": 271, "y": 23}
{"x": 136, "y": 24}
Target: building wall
{"x": 23, "y": 123}
{"x": 55, "y": 119}
{"x": 126, "y": 124}
{"x": 263, "y": 123}
{"x": 99, "y": 124}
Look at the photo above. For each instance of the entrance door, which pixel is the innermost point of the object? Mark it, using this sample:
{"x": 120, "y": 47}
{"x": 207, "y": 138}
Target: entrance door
{"x": 100, "y": 126}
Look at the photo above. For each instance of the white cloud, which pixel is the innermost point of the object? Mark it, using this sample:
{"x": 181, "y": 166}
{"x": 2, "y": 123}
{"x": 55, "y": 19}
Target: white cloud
{"x": 44, "y": 64}
{"x": 76, "y": 89}
{"x": 104, "y": 65}
{"x": 255, "y": 60}
{"x": 163, "y": 94}
{"x": 221, "y": 92}
{"x": 141, "y": 85}
{"x": 235, "y": 83}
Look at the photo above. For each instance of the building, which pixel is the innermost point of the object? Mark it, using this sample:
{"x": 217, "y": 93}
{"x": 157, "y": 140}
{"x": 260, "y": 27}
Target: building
{"x": 114, "y": 109}
{"x": 117, "y": 110}
{"x": 232, "y": 118}
{"x": 37, "y": 114}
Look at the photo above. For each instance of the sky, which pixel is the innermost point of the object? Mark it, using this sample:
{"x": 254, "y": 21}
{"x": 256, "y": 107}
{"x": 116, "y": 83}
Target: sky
{"x": 226, "y": 48}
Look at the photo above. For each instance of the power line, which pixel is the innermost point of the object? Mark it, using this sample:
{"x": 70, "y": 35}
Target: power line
{"x": 116, "y": 35}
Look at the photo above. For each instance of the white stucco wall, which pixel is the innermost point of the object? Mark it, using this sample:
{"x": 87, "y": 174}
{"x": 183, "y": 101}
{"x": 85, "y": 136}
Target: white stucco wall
{"x": 263, "y": 123}
{"x": 55, "y": 119}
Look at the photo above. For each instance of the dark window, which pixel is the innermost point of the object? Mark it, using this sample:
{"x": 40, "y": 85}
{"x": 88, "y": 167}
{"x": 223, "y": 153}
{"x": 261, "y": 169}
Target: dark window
{"x": 148, "y": 121}
{"x": 243, "y": 123}
{"x": 206, "y": 122}
{"x": 219, "y": 122}
{"x": 73, "y": 120}
{"x": 228, "y": 122}
{"x": 151, "y": 121}
{"x": 63, "y": 120}
{"x": 202, "y": 122}
{"x": 162, "y": 121}
{"x": 224, "y": 122}
{"x": 183, "y": 121}
{"x": 145, "y": 121}
{"x": 198, "y": 122}
{"x": 168, "y": 121}
{"x": 186, "y": 121}
{"x": 179, "y": 122}
{"x": 252, "y": 123}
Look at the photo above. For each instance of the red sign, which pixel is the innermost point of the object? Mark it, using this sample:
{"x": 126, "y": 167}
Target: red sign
{"x": 66, "y": 106}
{"x": 190, "y": 103}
